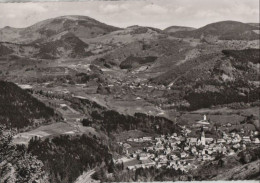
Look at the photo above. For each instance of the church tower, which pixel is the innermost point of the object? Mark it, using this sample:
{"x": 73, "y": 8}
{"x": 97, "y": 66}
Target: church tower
{"x": 202, "y": 137}
{"x": 204, "y": 117}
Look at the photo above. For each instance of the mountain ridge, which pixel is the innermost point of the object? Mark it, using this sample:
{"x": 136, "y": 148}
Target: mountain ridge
{"x": 81, "y": 26}
{"x": 176, "y": 28}
{"x": 224, "y": 30}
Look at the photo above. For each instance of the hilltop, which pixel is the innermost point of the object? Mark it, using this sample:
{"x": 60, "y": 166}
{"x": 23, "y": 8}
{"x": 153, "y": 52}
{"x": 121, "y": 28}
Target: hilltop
{"x": 173, "y": 29}
{"x": 225, "y": 30}
{"x": 180, "y": 60}
{"x": 119, "y": 92}
{"x": 53, "y": 38}
{"x": 81, "y": 26}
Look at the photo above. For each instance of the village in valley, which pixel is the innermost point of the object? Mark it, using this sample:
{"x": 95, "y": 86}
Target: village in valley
{"x": 183, "y": 151}
{"x": 129, "y": 91}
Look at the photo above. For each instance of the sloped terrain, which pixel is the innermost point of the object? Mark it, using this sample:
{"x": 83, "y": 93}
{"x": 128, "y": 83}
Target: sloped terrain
{"x": 65, "y": 158}
{"x": 226, "y": 30}
{"x": 132, "y": 62}
{"x": 173, "y": 29}
{"x": 107, "y": 82}
{"x": 17, "y": 49}
{"x": 68, "y": 45}
{"x": 81, "y": 26}
{"x": 187, "y": 67}
{"x": 249, "y": 171}
{"x": 255, "y": 25}
{"x": 244, "y": 56}
{"x": 53, "y": 38}
{"x": 127, "y": 35}
{"x": 165, "y": 49}
{"x": 213, "y": 79}
{"x": 17, "y": 165}
{"x": 65, "y": 45}
{"x": 18, "y": 109}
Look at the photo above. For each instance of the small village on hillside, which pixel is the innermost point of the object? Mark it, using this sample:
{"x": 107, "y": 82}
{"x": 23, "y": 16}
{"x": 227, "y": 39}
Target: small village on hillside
{"x": 129, "y": 91}
{"x": 183, "y": 152}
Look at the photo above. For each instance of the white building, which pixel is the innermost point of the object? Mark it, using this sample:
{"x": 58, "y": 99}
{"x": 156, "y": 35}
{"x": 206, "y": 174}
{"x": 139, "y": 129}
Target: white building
{"x": 202, "y": 137}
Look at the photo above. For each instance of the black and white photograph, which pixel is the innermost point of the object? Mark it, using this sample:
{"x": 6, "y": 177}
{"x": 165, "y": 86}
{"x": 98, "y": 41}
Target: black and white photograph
{"x": 96, "y": 91}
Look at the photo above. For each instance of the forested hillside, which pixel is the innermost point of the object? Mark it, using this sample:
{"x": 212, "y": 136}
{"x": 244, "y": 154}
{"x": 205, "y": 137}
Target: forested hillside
{"x": 112, "y": 121}
{"x": 16, "y": 165}
{"x": 18, "y": 109}
{"x": 65, "y": 157}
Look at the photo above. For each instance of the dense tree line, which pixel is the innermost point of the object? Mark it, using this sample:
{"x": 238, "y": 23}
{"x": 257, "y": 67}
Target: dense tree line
{"x": 148, "y": 174}
{"x": 213, "y": 79}
{"x": 244, "y": 56}
{"x": 66, "y": 157}
{"x": 249, "y": 155}
{"x": 17, "y": 165}
{"x": 113, "y": 121}
{"x": 229, "y": 94}
{"x": 18, "y": 109}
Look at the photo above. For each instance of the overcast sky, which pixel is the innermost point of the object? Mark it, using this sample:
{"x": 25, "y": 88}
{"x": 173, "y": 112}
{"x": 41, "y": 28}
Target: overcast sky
{"x": 154, "y": 13}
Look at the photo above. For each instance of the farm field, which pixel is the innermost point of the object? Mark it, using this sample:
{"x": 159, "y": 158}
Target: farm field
{"x": 52, "y": 130}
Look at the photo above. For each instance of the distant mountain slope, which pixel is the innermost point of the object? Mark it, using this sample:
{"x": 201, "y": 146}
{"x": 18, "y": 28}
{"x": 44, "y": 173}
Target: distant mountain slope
{"x": 226, "y": 30}
{"x": 254, "y": 24}
{"x": 81, "y": 26}
{"x": 215, "y": 79}
{"x": 244, "y": 56}
{"x": 140, "y": 52}
{"x": 17, "y": 49}
{"x": 65, "y": 45}
{"x": 132, "y": 62}
{"x": 18, "y": 109}
{"x": 5, "y": 50}
{"x": 125, "y": 36}
{"x": 172, "y": 29}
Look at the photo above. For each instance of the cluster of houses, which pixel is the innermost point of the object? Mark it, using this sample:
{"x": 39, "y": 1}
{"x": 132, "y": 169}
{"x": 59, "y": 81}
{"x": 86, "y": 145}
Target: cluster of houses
{"x": 142, "y": 139}
{"x": 183, "y": 153}
{"x": 135, "y": 83}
